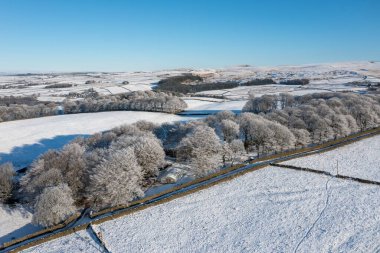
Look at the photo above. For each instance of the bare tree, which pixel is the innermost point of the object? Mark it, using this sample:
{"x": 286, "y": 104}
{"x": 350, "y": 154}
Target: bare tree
{"x": 6, "y": 181}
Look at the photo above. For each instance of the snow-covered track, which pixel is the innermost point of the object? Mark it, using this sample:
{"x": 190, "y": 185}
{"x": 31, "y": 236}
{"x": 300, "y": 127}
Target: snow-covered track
{"x": 186, "y": 189}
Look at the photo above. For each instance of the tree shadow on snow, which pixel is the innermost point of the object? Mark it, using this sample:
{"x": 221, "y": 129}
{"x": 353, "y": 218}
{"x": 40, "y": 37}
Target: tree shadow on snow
{"x": 23, "y": 156}
{"x": 19, "y": 212}
{"x": 20, "y": 232}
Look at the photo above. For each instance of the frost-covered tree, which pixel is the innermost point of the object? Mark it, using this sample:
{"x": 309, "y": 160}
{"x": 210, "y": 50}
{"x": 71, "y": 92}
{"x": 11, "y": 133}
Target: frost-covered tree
{"x": 99, "y": 140}
{"x": 225, "y": 115}
{"x": 37, "y": 178}
{"x": 6, "y": 181}
{"x": 116, "y": 181}
{"x": 279, "y": 116}
{"x": 145, "y": 126}
{"x": 202, "y": 149}
{"x": 56, "y": 167}
{"x": 131, "y": 130}
{"x": 285, "y": 100}
{"x": 339, "y": 125}
{"x": 245, "y": 122}
{"x": 148, "y": 151}
{"x": 232, "y": 151}
{"x": 54, "y": 205}
{"x": 351, "y": 123}
{"x": 282, "y": 138}
{"x": 364, "y": 116}
{"x": 332, "y": 112}
{"x": 73, "y": 167}
{"x": 265, "y": 103}
{"x": 229, "y": 129}
{"x": 256, "y": 133}
{"x": 319, "y": 129}
{"x": 302, "y": 137}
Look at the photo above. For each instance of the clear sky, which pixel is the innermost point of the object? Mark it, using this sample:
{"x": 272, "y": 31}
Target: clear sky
{"x": 129, "y": 35}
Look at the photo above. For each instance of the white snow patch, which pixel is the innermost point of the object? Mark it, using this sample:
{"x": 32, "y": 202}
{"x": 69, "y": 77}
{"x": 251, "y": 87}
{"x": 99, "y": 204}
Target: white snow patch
{"x": 360, "y": 159}
{"x": 201, "y": 105}
{"x": 15, "y": 222}
{"x": 80, "y": 241}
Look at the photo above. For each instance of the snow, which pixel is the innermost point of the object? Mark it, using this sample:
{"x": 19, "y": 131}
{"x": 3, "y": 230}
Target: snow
{"x": 116, "y": 89}
{"x": 242, "y": 92}
{"x": 51, "y": 99}
{"x": 325, "y": 76}
{"x": 80, "y": 241}
{"x": 23, "y": 140}
{"x": 198, "y": 105}
{"x": 15, "y": 222}
{"x": 360, "y": 159}
{"x": 137, "y": 87}
{"x": 270, "y": 210}
{"x": 195, "y": 103}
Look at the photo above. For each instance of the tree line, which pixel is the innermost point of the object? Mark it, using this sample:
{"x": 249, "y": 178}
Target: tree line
{"x": 295, "y": 81}
{"x": 189, "y": 83}
{"x": 324, "y": 115}
{"x": 16, "y": 108}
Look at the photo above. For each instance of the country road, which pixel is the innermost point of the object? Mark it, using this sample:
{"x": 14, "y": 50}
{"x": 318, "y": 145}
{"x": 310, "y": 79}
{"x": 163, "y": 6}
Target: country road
{"x": 85, "y": 219}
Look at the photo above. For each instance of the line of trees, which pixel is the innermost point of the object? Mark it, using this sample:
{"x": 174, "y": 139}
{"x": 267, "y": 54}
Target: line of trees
{"x": 189, "y": 83}
{"x": 18, "y": 100}
{"x": 295, "y": 82}
{"x": 58, "y": 86}
{"x": 134, "y": 101}
{"x": 324, "y": 115}
{"x": 16, "y": 108}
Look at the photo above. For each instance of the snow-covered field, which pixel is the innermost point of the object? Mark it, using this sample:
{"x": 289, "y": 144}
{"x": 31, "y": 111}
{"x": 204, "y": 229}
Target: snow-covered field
{"x": 360, "y": 159}
{"x": 333, "y": 77}
{"x": 202, "y": 105}
{"x": 270, "y": 210}
{"x": 15, "y": 222}
{"x": 24, "y": 140}
{"x": 242, "y": 92}
{"x": 81, "y": 241}
{"x": 104, "y": 83}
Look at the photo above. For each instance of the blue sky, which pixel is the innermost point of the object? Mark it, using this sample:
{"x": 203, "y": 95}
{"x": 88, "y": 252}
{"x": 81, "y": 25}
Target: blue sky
{"x": 111, "y": 35}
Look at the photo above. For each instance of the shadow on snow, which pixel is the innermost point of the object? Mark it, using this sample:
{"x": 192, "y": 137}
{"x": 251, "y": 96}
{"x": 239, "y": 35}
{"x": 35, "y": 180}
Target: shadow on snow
{"x": 23, "y": 156}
